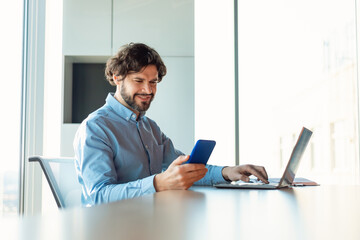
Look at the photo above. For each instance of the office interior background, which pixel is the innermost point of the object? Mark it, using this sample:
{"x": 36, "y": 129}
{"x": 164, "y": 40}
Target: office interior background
{"x": 248, "y": 74}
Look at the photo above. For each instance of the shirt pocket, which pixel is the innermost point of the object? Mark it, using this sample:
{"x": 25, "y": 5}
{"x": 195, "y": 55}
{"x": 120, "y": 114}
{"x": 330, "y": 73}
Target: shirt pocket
{"x": 156, "y": 153}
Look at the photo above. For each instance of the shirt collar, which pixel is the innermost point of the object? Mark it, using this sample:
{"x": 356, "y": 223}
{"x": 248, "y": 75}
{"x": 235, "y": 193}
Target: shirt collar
{"x": 120, "y": 109}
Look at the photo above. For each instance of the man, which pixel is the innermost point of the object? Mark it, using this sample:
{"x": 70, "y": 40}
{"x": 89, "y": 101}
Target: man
{"x": 120, "y": 153}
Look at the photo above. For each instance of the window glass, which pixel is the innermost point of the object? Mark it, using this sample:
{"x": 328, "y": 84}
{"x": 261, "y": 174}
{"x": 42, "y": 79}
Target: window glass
{"x": 11, "y": 25}
{"x": 297, "y": 67}
{"x": 53, "y": 77}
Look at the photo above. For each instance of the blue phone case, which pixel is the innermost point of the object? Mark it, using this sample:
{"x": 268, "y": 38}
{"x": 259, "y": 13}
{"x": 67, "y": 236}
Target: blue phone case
{"x": 201, "y": 151}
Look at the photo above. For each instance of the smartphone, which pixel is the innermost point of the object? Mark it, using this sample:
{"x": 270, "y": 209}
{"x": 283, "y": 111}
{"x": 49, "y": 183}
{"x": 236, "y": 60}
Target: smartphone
{"x": 201, "y": 151}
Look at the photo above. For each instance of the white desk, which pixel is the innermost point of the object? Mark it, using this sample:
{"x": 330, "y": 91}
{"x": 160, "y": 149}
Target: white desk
{"x": 324, "y": 212}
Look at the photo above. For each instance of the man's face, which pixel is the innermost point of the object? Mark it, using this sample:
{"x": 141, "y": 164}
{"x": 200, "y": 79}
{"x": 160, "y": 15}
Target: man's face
{"x": 138, "y": 89}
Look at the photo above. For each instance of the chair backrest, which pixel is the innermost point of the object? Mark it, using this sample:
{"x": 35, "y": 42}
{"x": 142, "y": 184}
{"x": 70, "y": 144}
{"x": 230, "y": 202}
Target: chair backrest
{"x": 62, "y": 178}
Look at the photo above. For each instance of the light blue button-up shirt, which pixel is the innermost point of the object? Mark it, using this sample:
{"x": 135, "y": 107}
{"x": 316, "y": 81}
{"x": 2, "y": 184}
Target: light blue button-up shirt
{"x": 117, "y": 155}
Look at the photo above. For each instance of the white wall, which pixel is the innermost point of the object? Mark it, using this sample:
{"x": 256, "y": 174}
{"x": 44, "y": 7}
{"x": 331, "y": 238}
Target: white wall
{"x": 173, "y": 106}
{"x": 164, "y": 25}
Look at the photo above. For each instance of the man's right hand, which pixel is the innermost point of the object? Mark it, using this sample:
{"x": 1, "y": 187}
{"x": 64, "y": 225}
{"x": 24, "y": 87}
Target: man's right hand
{"x": 179, "y": 176}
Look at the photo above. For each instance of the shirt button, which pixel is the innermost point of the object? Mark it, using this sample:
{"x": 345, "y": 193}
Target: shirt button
{"x": 146, "y": 146}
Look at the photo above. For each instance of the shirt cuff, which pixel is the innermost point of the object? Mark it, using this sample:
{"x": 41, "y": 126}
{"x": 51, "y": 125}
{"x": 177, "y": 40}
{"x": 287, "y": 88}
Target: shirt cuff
{"x": 147, "y": 185}
{"x": 216, "y": 175}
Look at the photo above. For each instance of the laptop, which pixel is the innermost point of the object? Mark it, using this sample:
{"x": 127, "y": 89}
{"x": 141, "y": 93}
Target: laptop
{"x": 289, "y": 173}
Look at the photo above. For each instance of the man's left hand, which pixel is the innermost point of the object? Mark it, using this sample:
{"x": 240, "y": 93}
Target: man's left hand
{"x": 243, "y": 172}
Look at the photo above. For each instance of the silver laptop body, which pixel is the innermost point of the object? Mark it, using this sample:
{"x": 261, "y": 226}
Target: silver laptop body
{"x": 290, "y": 170}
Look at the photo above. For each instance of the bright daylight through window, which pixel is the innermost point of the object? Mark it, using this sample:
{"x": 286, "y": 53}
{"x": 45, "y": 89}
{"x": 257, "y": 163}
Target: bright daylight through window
{"x": 11, "y": 18}
{"x": 297, "y": 67}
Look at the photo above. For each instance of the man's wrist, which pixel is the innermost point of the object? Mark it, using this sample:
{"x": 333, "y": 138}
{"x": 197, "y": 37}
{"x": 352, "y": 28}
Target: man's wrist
{"x": 224, "y": 173}
{"x": 157, "y": 183}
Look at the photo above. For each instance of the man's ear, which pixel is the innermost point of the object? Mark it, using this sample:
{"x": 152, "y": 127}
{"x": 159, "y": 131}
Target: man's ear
{"x": 117, "y": 79}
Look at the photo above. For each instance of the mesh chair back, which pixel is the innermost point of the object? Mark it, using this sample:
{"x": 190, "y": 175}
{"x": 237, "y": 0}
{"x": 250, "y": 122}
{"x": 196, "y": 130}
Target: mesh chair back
{"x": 62, "y": 178}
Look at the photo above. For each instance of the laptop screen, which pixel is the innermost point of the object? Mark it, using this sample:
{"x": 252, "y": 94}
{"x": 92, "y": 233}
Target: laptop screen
{"x": 293, "y": 164}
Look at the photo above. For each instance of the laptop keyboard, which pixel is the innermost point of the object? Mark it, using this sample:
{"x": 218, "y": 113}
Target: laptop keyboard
{"x": 254, "y": 181}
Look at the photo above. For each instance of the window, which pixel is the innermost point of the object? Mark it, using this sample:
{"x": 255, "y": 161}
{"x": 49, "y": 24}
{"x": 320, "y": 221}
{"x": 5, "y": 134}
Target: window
{"x": 11, "y": 22}
{"x": 297, "y": 67}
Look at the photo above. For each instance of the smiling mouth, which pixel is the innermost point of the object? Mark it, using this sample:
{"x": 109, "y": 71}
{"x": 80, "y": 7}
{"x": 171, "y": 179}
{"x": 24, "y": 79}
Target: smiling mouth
{"x": 144, "y": 97}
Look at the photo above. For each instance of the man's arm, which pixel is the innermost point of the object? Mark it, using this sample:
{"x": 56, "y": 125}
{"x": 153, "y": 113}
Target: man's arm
{"x": 215, "y": 174}
{"x": 220, "y": 174}
{"x": 96, "y": 170}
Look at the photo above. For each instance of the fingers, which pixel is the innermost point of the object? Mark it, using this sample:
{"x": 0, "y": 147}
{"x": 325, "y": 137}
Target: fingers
{"x": 180, "y": 160}
{"x": 191, "y": 171}
{"x": 243, "y": 173}
{"x": 179, "y": 175}
{"x": 259, "y": 172}
{"x": 178, "y": 163}
{"x": 192, "y": 167}
{"x": 196, "y": 175}
{"x": 191, "y": 177}
{"x": 244, "y": 178}
{"x": 264, "y": 173}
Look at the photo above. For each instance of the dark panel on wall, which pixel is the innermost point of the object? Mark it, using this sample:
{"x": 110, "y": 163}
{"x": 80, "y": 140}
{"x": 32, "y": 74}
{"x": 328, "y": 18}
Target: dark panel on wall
{"x": 90, "y": 89}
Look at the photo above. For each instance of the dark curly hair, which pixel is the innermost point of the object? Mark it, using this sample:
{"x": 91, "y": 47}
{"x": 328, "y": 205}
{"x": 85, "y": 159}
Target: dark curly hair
{"x": 132, "y": 58}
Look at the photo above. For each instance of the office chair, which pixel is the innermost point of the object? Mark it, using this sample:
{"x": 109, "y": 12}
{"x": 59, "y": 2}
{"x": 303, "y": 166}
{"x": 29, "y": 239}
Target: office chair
{"x": 62, "y": 178}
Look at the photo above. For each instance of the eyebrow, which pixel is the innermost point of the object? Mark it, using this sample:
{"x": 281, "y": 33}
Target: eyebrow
{"x": 139, "y": 78}
{"x": 143, "y": 79}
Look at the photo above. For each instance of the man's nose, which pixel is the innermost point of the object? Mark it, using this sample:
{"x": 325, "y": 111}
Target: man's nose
{"x": 147, "y": 88}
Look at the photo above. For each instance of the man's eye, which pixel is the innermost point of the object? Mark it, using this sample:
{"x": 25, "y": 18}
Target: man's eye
{"x": 138, "y": 81}
{"x": 153, "y": 82}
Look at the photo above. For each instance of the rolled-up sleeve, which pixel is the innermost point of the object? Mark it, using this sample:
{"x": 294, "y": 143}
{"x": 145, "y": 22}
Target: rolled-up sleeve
{"x": 213, "y": 176}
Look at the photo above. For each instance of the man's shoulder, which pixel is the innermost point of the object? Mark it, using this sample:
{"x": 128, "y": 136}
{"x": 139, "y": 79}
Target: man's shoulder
{"x": 99, "y": 117}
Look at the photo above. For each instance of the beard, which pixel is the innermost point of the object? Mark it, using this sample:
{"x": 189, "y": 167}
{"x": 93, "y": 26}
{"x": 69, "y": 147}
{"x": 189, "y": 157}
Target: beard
{"x": 130, "y": 100}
